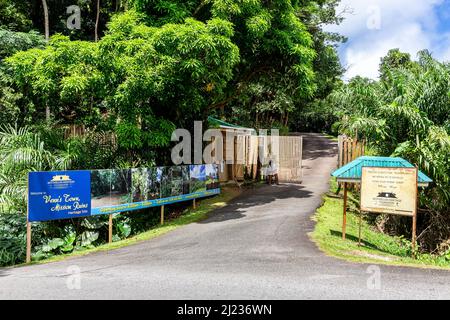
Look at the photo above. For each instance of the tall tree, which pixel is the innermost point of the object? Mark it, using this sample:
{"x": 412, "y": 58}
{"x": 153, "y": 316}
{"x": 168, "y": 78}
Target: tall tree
{"x": 46, "y": 21}
{"x": 97, "y": 20}
{"x": 47, "y": 36}
{"x": 393, "y": 60}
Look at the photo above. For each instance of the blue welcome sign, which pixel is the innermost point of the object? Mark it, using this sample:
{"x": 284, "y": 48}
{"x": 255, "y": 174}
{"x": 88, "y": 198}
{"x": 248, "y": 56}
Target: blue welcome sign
{"x": 58, "y": 195}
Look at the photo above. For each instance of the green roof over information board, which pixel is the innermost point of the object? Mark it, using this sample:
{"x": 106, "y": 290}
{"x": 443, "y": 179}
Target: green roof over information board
{"x": 352, "y": 171}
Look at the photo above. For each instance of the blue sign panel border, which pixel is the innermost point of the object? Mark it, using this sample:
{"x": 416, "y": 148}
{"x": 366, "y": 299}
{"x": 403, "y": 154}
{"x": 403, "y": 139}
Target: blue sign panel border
{"x": 153, "y": 203}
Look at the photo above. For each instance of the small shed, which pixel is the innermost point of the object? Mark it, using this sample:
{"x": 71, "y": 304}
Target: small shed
{"x": 351, "y": 172}
{"x": 241, "y": 153}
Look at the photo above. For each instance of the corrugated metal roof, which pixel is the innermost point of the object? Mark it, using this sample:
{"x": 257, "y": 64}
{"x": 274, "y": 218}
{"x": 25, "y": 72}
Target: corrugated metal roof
{"x": 223, "y": 124}
{"x": 353, "y": 170}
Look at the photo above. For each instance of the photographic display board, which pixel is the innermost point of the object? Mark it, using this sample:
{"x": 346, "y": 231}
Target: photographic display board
{"x": 389, "y": 190}
{"x": 72, "y": 194}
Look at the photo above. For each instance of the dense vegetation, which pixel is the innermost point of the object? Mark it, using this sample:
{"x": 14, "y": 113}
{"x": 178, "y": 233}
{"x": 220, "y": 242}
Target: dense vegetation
{"x": 137, "y": 69}
{"x": 134, "y": 71}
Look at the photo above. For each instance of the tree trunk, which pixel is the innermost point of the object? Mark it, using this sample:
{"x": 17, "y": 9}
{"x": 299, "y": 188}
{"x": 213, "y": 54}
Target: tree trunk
{"x": 47, "y": 36}
{"x": 47, "y": 112}
{"x": 96, "y": 20}
{"x": 46, "y": 23}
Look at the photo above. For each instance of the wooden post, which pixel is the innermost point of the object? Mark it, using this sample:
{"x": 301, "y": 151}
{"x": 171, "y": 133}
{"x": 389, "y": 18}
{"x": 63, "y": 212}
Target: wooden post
{"x": 344, "y": 217}
{"x": 110, "y": 229}
{"x": 162, "y": 214}
{"x": 28, "y": 252}
{"x": 414, "y": 223}
{"x": 360, "y": 224}
{"x": 345, "y": 156}
{"x": 194, "y": 205}
{"x": 413, "y": 244}
{"x": 340, "y": 146}
{"x": 354, "y": 142}
{"x": 28, "y": 258}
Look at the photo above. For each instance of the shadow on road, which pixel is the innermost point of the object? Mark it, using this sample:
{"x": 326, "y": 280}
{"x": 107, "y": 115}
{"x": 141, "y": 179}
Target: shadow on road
{"x": 3, "y": 272}
{"x": 317, "y": 146}
{"x": 266, "y": 194}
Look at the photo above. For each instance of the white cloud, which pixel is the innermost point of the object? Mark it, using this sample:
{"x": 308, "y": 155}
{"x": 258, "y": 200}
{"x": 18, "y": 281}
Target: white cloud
{"x": 374, "y": 27}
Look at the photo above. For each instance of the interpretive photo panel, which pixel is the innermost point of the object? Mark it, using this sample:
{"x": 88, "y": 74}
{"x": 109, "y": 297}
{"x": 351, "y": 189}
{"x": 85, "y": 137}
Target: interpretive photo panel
{"x": 197, "y": 175}
{"x": 101, "y": 188}
{"x": 166, "y": 186}
{"x": 140, "y": 186}
{"x": 121, "y": 186}
{"x": 176, "y": 181}
{"x": 212, "y": 176}
{"x": 154, "y": 183}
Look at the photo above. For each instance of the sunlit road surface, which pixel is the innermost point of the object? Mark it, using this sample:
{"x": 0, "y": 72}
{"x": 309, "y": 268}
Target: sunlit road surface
{"x": 255, "y": 248}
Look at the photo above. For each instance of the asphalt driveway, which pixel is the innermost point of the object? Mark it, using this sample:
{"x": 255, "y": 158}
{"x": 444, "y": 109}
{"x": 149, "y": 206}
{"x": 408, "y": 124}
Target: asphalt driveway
{"x": 255, "y": 248}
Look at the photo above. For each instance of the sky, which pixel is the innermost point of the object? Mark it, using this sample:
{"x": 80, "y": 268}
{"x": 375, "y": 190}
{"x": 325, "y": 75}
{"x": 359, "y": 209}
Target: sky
{"x": 375, "y": 26}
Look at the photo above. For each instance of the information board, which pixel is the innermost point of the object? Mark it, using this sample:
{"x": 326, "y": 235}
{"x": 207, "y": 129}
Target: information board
{"x": 71, "y": 194}
{"x": 389, "y": 190}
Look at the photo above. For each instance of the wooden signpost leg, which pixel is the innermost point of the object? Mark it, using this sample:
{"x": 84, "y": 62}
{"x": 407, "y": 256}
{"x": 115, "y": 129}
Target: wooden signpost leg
{"x": 194, "y": 205}
{"x": 28, "y": 252}
{"x": 414, "y": 222}
{"x": 413, "y": 244}
{"x": 360, "y": 225}
{"x": 162, "y": 214}
{"x": 110, "y": 229}
{"x": 28, "y": 258}
{"x": 344, "y": 218}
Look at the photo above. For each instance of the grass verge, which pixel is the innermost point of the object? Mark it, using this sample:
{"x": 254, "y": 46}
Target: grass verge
{"x": 204, "y": 207}
{"x": 376, "y": 247}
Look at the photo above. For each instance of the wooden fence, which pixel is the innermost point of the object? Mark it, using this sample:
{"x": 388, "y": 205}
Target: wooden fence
{"x": 102, "y": 139}
{"x": 74, "y": 130}
{"x": 349, "y": 149}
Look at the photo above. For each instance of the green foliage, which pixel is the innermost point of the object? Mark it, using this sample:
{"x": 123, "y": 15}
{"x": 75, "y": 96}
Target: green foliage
{"x": 393, "y": 60}
{"x": 287, "y": 60}
{"x": 129, "y": 135}
{"x": 71, "y": 237}
{"x": 13, "y": 15}
{"x": 159, "y": 12}
{"x": 12, "y": 239}
{"x": 143, "y": 79}
{"x": 12, "y": 42}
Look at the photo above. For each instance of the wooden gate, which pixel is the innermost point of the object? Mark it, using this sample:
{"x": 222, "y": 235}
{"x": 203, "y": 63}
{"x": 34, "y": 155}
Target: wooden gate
{"x": 242, "y": 157}
{"x": 289, "y": 157}
{"x": 291, "y": 149}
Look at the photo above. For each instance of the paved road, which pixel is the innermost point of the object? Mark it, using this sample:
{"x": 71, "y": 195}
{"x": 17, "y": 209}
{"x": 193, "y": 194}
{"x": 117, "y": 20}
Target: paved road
{"x": 255, "y": 248}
